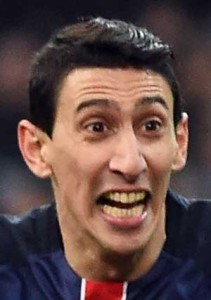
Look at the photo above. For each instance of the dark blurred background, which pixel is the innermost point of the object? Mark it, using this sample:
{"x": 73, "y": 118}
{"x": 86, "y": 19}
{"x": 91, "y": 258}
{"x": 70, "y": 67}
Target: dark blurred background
{"x": 26, "y": 25}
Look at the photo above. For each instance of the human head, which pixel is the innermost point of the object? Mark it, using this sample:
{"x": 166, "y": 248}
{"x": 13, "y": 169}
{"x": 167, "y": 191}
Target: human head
{"x": 109, "y": 144}
{"x": 95, "y": 43}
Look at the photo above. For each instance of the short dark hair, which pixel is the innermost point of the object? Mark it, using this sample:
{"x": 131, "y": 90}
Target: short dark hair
{"x": 96, "y": 42}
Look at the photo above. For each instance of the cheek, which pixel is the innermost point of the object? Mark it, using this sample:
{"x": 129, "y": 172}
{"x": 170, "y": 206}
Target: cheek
{"x": 159, "y": 173}
{"x": 160, "y": 160}
{"x": 79, "y": 168}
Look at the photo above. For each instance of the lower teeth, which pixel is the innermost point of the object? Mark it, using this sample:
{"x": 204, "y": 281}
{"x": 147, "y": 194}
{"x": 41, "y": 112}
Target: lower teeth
{"x": 122, "y": 212}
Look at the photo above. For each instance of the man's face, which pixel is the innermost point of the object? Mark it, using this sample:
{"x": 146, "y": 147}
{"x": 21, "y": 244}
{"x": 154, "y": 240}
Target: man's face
{"x": 111, "y": 154}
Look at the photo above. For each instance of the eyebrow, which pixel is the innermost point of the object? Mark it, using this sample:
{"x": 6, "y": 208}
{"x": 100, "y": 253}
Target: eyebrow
{"x": 152, "y": 100}
{"x": 97, "y": 102}
{"x": 149, "y": 100}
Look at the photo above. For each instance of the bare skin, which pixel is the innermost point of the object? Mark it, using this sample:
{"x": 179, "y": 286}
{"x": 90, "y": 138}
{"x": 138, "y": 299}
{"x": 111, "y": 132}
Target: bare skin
{"x": 110, "y": 158}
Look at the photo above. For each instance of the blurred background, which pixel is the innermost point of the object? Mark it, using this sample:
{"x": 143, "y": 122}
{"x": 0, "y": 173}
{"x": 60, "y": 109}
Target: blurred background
{"x": 26, "y": 25}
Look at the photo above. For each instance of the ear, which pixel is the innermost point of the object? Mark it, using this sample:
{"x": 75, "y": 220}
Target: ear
{"x": 33, "y": 144}
{"x": 182, "y": 143}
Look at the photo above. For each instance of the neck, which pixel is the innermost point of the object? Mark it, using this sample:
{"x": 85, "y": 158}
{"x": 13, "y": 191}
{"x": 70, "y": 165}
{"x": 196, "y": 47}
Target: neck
{"x": 94, "y": 263}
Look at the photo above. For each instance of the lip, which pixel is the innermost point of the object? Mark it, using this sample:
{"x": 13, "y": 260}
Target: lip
{"x": 126, "y": 222}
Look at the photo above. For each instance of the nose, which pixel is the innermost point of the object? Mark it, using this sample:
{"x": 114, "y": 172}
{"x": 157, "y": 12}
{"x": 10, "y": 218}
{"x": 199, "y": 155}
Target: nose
{"x": 127, "y": 158}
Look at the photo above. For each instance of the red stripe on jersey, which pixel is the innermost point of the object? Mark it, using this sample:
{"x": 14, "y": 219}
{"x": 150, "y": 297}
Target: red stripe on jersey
{"x": 104, "y": 290}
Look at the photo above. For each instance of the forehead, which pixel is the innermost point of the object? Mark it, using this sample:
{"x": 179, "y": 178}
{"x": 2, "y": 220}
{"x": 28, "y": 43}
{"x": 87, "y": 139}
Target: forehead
{"x": 124, "y": 85}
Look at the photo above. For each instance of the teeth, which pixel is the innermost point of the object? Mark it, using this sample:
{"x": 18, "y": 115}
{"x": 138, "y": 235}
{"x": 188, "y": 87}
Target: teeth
{"x": 123, "y": 197}
{"x": 115, "y": 196}
{"x": 121, "y": 212}
{"x": 132, "y": 197}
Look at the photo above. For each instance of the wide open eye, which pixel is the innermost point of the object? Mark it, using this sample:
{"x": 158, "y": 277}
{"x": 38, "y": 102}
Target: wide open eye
{"x": 153, "y": 125}
{"x": 97, "y": 127}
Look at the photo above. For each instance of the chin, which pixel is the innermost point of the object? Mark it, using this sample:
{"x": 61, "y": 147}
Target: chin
{"x": 126, "y": 249}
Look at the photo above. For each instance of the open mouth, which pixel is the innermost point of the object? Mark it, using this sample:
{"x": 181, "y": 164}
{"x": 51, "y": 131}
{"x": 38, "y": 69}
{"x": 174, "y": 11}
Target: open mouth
{"x": 124, "y": 204}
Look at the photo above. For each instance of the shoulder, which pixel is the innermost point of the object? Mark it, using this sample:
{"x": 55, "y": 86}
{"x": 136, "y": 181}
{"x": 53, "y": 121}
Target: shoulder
{"x": 170, "y": 278}
{"x": 188, "y": 229}
{"x": 177, "y": 209}
{"x": 197, "y": 233}
{"x": 35, "y": 232}
{"x": 188, "y": 281}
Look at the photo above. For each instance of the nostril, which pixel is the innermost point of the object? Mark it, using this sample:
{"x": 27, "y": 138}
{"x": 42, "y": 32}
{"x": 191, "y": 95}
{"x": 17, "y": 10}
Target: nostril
{"x": 129, "y": 168}
{"x": 131, "y": 178}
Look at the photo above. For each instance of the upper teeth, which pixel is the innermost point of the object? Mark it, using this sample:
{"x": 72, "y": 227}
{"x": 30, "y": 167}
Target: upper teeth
{"x": 124, "y": 197}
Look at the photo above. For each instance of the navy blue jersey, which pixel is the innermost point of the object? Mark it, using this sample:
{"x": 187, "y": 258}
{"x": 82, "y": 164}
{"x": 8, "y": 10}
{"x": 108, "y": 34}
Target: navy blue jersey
{"x": 33, "y": 265}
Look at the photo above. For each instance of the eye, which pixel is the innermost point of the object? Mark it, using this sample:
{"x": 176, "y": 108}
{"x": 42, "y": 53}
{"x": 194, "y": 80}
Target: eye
{"x": 153, "y": 125}
{"x": 97, "y": 127}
